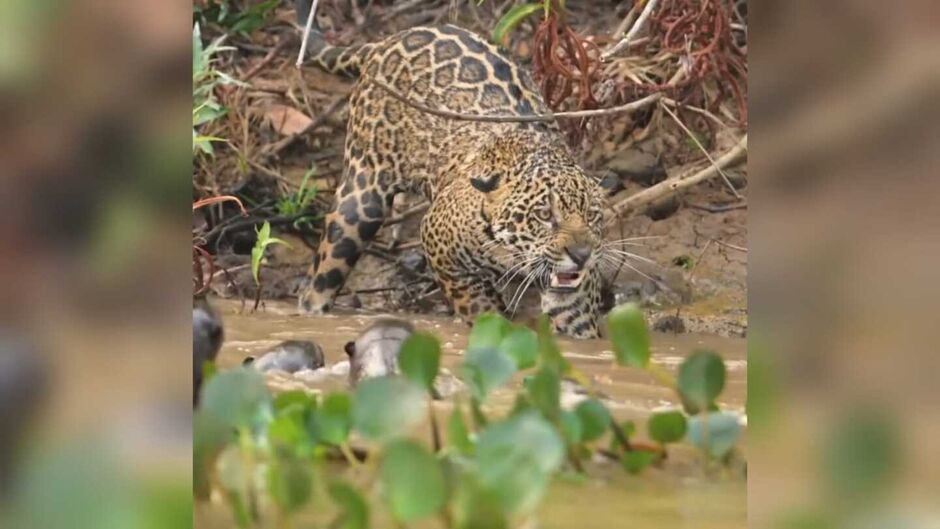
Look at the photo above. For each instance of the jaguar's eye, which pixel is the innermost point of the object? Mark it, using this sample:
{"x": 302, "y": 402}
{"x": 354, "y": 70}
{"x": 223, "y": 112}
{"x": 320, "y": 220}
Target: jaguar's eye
{"x": 544, "y": 214}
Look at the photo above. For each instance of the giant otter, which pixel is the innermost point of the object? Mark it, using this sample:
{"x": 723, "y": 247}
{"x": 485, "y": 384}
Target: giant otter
{"x": 290, "y": 356}
{"x": 207, "y": 339}
{"x": 375, "y": 351}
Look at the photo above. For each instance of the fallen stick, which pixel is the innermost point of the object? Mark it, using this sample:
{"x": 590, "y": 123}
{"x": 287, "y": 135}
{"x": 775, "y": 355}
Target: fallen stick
{"x": 678, "y": 183}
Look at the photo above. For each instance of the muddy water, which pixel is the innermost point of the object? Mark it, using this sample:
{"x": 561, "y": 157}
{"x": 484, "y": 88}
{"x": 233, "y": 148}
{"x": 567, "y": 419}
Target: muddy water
{"x": 676, "y": 496}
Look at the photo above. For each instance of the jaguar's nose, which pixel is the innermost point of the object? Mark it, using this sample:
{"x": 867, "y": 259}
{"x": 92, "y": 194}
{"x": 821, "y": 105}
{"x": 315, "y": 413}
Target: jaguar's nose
{"x": 579, "y": 253}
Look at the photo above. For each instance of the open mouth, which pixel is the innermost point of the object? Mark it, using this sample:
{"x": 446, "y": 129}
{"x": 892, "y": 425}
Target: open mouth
{"x": 565, "y": 280}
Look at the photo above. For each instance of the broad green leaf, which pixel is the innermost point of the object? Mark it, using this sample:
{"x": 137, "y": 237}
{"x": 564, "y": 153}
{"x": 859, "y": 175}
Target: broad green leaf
{"x": 476, "y": 507}
{"x": 511, "y": 20}
{"x": 522, "y": 345}
{"x": 457, "y": 434}
{"x": 237, "y": 397}
{"x": 287, "y": 430}
{"x": 420, "y": 359}
{"x": 388, "y": 406}
{"x": 545, "y": 392}
{"x": 331, "y": 423}
{"x": 485, "y": 368}
{"x": 515, "y": 459}
{"x": 667, "y": 427}
{"x": 594, "y": 417}
{"x": 210, "y": 435}
{"x": 354, "y": 510}
{"x": 295, "y": 397}
{"x": 629, "y": 335}
{"x": 701, "y": 379}
{"x": 549, "y": 353}
{"x": 290, "y": 482}
{"x": 634, "y": 462}
{"x": 571, "y": 427}
{"x": 488, "y": 330}
{"x": 413, "y": 481}
{"x": 715, "y": 433}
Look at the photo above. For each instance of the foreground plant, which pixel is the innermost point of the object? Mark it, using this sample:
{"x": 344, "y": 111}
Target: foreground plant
{"x": 489, "y": 470}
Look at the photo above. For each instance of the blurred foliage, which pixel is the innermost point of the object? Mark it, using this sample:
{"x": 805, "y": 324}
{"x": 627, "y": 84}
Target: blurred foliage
{"x": 489, "y": 472}
{"x": 296, "y": 204}
{"x": 206, "y": 107}
{"x": 234, "y": 17}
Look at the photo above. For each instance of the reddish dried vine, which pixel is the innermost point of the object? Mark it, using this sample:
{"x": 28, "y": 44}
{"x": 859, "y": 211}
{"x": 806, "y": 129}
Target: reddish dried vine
{"x": 562, "y": 59}
{"x": 699, "y": 31}
{"x": 202, "y": 259}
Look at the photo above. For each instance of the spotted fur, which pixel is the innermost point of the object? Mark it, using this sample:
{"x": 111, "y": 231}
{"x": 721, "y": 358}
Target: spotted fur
{"x": 507, "y": 199}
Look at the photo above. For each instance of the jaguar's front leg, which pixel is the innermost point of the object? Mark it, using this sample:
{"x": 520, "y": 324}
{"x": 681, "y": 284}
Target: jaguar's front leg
{"x": 575, "y": 312}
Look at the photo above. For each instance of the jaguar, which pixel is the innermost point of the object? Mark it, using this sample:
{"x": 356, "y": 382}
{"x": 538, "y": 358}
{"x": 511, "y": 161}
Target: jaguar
{"x": 508, "y": 202}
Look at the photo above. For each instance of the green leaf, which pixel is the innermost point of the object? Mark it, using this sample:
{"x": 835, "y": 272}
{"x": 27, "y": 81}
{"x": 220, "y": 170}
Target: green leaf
{"x": 331, "y": 423}
{"x": 412, "y": 480}
{"x": 420, "y": 359}
{"x": 715, "y": 433}
{"x": 488, "y": 330}
{"x": 475, "y": 507}
{"x": 210, "y": 435}
{"x": 549, "y": 354}
{"x": 264, "y": 232}
{"x": 627, "y": 327}
{"x": 237, "y": 397}
{"x": 388, "y": 406}
{"x": 290, "y": 482}
{"x": 667, "y": 427}
{"x": 545, "y": 391}
{"x": 295, "y": 397}
{"x": 701, "y": 379}
{"x": 354, "y": 510}
{"x": 571, "y": 427}
{"x": 634, "y": 462}
{"x": 458, "y": 435}
{"x": 256, "y": 254}
{"x": 287, "y": 430}
{"x": 515, "y": 459}
{"x": 486, "y": 368}
{"x": 511, "y": 20}
{"x": 522, "y": 345}
{"x": 594, "y": 418}
{"x": 199, "y": 63}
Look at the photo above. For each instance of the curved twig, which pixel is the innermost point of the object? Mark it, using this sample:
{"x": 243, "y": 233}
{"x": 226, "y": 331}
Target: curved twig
{"x": 515, "y": 118}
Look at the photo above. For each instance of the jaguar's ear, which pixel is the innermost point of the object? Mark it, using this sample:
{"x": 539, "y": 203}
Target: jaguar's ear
{"x": 486, "y": 184}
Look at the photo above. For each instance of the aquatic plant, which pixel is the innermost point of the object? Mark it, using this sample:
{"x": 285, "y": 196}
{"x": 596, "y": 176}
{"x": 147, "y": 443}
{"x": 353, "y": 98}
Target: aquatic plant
{"x": 355, "y": 456}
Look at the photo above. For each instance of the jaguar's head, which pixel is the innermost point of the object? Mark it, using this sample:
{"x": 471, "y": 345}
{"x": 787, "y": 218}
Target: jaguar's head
{"x": 545, "y": 219}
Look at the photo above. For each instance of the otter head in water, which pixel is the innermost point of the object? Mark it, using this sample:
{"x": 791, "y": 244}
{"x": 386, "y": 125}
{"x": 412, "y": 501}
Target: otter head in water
{"x": 375, "y": 351}
{"x": 207, "y": 339}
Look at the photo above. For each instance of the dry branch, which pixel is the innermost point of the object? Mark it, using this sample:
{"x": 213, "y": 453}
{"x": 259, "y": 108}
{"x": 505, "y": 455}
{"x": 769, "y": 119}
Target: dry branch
{"x": 637, "y": 26}
{"x": 515, "y": 118}
{"x": 678, "y": 183}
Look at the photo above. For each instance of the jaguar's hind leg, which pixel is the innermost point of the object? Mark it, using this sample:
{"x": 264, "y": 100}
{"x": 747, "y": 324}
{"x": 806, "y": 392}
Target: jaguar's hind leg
{"x": 361, "y": 206}
{"x": 575, "y": 313}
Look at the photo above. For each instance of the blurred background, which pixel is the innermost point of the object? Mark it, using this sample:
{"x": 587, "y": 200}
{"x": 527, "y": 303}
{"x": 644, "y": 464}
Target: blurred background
{"x": 95, "y": 228}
